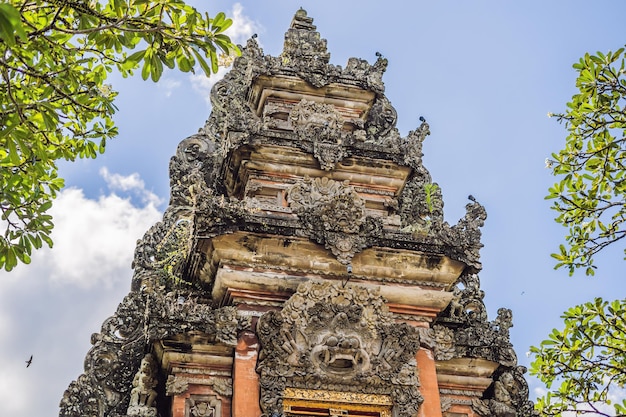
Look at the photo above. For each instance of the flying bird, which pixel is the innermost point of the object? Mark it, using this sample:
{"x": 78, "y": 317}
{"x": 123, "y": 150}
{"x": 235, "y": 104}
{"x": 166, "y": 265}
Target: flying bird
{"x": 29, "y": 361}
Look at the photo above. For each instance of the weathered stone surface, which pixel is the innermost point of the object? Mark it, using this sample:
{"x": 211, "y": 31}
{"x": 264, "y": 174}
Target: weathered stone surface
{"x": 105, "y": 389}
{"x": 341, "y": 339}
{"x": 299, "y": 204}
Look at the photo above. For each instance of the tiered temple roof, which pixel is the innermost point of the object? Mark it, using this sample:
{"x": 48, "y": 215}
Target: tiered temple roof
{"x": 303, "y": 266}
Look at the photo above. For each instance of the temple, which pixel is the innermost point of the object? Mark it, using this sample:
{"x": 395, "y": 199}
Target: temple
{"x": 303, "y": 266}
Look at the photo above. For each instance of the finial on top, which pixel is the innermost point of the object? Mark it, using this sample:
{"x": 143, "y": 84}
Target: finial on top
{"x": 302, "y": 21}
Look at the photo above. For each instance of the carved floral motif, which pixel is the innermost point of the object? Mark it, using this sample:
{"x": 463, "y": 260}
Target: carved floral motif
{"x": 203, "y": 406}
{"x": 334, "y": 215}
{"x": 341, "y": 339}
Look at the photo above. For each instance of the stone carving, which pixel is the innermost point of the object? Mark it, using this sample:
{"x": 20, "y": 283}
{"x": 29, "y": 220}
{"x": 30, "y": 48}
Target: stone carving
{"x": 203, "y": 406}
{"x": 321, "y": 124}
{"x": 222, "y": 386}
{"x": 305, "y": 51}
{"x": 507, "y": 397}
{"x": 446, "y": 403}
{"x": 474, "y": 336}
{"x": 202, "y": 409}
{"x": 440, "y": 340}
{"x": 368, "y": 76}
{"x": 334, "y": 215}
{"x": 180, "y": 384}
{"x": 193, "y": 157}
{"x": 143, "y": 394}
{"x": 337, "y": 338}
{"x": 381, "y": 119}
{"x": 176, "y": 385}
{"x": 115, "y": 358}
{"x": 412, "y": 145}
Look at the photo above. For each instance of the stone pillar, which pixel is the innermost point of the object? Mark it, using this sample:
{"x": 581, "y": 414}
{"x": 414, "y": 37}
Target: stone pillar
{"x": 431, "y": 407}
{"x": 246, "y": 389}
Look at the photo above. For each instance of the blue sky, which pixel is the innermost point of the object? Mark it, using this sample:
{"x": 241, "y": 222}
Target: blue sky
{"x": 483, "y": 73}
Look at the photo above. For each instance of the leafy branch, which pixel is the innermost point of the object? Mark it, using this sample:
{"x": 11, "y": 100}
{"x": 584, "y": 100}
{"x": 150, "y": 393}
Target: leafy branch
{"x": 55, "y": 57}
{"x": 590, "y": 196}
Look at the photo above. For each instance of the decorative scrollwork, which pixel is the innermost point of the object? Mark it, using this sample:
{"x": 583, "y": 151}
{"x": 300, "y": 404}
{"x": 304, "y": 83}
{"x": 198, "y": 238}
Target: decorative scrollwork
{"x": 334, "y": 215}
{"x": 114, "y": 360}
{"x": 338, "y": 338}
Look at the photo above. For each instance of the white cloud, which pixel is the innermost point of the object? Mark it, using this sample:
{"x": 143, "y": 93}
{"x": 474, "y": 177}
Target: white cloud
{"x": 168, "y": 85}
{"x": 241, "y": 30}
{"x": 120, "y": 182}
{"x": 94, "y": 239}
{"x": 132, "y": 183}
{"x": 49, "y": 308}
{"x": 243, "y": 27}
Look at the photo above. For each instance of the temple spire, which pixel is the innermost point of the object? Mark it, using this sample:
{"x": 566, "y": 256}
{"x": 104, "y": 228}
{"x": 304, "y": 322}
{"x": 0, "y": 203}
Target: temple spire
{"x": 304, "y": 45}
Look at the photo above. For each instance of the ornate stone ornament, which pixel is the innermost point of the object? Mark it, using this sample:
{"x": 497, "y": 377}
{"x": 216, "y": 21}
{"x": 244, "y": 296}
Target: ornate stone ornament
{"x": 321, "y": 124}
{"x": 334, "y": 214}
{"x": 382, "y": 118}
{"x": 115, "y": 382}
{"x": 328, "y": 342}
{"x": 341, "y": 339}
{"x": 507, "y": 397}
{"x": 203, "y": 406}
{"x": 305, "y": 51}
{"x": 143, "y": 394}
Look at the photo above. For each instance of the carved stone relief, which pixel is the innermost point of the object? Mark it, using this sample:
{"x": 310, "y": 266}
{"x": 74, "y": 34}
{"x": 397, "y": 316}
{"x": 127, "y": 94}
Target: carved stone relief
{"x": 326, "y": 336}
{"x": 507, "y": 397}
{"x": 305, "y": 51}
{"x": 143, "y": 394}
{"x": 341, "y": 339}
{"x": 203, "y": 406}
{"x": 114, "y": 361}
{"x": 334, "y": 215}
{"x": 321, "y": 124}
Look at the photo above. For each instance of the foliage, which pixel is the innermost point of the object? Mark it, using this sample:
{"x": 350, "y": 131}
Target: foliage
{"x": 55, "y": 57}
{"x": 586, "y": 361}
{"x": 590, "y": 196}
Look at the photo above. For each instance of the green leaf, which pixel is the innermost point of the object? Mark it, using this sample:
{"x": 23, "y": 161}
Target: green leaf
{"x": 70, "y": 115}
{"x": 10, "y": 24}
{"x": 202, "y": 62}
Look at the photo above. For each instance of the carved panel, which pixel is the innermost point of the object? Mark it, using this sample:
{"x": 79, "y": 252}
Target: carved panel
{"x": 322, "y": 124}
{"x": 337, "y": 338}
{"x": 203, "y": 406}
{"x": 334, "y": 215}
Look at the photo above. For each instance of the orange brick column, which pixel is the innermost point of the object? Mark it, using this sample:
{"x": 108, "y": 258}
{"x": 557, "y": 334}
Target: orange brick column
{"x": 246, "y": 389}
{"x": 431, "y": 407}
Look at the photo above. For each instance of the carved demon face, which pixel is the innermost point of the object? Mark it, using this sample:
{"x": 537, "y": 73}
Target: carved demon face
{"x": 339, "y": 348}
{"x": 340, "y": 353}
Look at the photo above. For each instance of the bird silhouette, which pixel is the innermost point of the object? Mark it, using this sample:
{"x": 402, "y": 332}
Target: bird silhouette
{"x": 422, "y": 119}
{"x": 471, "y": 198}
{"x": 29, "y": 361}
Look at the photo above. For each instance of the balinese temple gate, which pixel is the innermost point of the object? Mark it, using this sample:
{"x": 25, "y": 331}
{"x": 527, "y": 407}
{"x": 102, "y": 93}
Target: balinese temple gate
{"x": 303, "y": 266}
